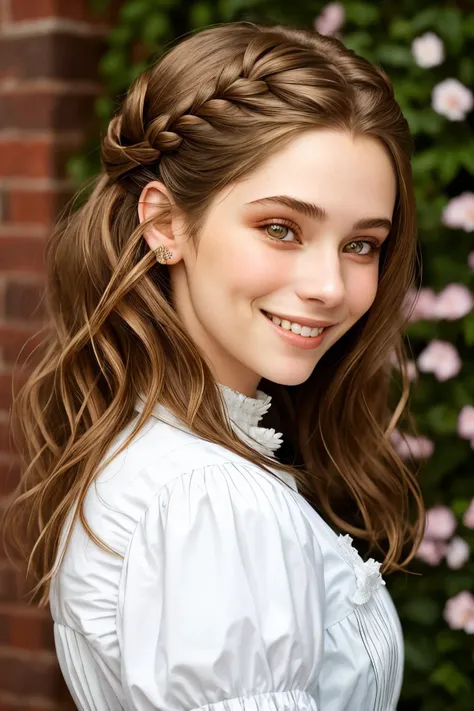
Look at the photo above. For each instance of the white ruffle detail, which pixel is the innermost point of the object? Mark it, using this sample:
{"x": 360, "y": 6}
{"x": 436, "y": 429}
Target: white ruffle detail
{"x": 367, "y": 573}
{"x": 245, "y": 413}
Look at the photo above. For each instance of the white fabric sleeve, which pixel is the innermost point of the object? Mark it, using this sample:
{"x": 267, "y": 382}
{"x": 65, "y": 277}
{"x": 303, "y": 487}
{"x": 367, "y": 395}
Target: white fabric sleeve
{"x": 221, "y": 597}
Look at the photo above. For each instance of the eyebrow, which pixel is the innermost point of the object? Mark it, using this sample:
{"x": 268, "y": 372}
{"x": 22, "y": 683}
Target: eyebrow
{"x": 315, "y": 212}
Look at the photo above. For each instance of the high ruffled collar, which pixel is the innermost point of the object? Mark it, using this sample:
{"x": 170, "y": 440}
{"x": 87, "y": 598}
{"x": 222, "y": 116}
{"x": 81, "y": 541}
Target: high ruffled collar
{"x": 245, "y": 414}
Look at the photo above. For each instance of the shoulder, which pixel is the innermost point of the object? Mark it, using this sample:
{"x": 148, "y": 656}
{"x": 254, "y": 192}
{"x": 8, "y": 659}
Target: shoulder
{"x": 226, "y": 521}
{"x": 158, "y": 457}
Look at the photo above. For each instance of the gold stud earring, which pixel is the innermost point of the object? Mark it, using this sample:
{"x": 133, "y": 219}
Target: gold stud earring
{"x": 162, "y": 254}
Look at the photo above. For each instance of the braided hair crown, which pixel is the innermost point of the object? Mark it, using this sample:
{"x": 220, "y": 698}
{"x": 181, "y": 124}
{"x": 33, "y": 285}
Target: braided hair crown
{"x": 220, "y": 80}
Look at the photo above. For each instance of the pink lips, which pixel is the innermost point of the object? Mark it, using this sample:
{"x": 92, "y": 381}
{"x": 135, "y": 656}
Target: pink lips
{"x": 295, "y": 339}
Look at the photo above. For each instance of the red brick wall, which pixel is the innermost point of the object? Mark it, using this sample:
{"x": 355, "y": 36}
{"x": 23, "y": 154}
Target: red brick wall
{"x": 49, "y": 51}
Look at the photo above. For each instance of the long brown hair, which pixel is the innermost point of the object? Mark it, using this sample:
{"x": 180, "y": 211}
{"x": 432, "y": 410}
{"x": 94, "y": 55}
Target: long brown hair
{"x": 216, "y": 106}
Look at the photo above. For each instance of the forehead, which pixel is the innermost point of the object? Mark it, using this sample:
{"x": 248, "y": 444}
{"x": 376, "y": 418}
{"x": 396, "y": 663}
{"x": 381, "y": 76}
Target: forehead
{"x": 331, "y": 168}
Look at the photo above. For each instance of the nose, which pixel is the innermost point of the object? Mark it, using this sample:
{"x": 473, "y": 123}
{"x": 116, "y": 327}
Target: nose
{"x": 320, "y": 275}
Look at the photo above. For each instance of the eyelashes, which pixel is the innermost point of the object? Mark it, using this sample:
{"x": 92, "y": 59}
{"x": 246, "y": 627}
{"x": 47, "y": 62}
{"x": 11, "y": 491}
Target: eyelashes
{"x": 283, "y": 222}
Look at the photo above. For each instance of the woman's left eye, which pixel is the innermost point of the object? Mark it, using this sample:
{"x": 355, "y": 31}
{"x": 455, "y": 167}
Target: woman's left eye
{"x": 375, "y": 246}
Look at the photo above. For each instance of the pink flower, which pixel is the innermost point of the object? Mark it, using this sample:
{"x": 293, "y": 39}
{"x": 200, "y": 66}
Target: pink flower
{"x": 465, "y": 426}
{"x": 411, "y": 367}
{"x": 428, "y": 50}
{"x": 331, "y": 19}
{"x": 440, "y": 523}
{"x": 424, "y": 304}
{"x": 452, "y": 99}
{"x": 459, "y": 612}
{"x": 468, "y": 519}
{"x": 459, "y": 212}
{"x": 411, "y": 370}
{"x": 457, "y": 553}
{"x": 408, "y": 446}
{"x": 454, "y": 301}
{"x": 431, "y": 552}
{"x": 470, "y": 261}
{"x": 440, "y": 358}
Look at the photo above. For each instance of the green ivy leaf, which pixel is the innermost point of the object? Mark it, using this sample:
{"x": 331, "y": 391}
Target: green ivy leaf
{"x": 104, "y": 107}
{"x": 423, "y": 610}
{"x": 466, "y": 70}
{"x": 201, "y": 14}
{"x": 468, "y": 25}
{"x": 459, "y": 506}
{"x": 99, "y": 6}
{"x": 120, "y": 36}
{"x": 425, "y": 162}
{"x": 449, "y": 677}
{"x": 421, "y": 655}
{"x": 113, "y": 63}
{"x": 449, "y": 23}
{"x": 446, "y": 641}
{"x": 448, "y": 456}
{"x": 442, "y": 419}
{"x": 425, "y": 20}
{"x": 362, "y": 14}
{"x": 133, "y": 12}
{"x": 467, "y": 156}
{"x": 468, "y": 326}
{"x": 450, "y": 165}
{"x": 401, "y": 29}
{"x": 156, "y": 28}
{"x": 229, "y": 9}
{"x": 359, "y": 42}
{"x": 394, "y": 55}
{"x": 455, "y": 585}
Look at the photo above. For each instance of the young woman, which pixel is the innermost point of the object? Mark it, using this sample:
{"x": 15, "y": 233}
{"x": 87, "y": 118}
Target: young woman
{"x": 250, "y": 243}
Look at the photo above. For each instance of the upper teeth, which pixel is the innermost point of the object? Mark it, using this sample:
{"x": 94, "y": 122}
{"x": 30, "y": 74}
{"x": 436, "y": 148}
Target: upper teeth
{"x": 305, "y": 331}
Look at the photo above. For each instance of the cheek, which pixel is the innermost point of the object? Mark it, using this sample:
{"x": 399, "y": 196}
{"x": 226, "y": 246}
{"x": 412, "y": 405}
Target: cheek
{"x": 362, "y": 291}
{"x": 244, "y": 268}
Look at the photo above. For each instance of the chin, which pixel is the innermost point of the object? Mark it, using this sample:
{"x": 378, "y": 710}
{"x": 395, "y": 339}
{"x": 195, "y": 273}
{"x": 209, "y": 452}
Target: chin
{"x": 288, "y": 379}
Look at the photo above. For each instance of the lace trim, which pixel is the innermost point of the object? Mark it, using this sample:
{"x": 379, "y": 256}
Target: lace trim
{"x": 245, "y": 413}
{"x": 367, "y": 573}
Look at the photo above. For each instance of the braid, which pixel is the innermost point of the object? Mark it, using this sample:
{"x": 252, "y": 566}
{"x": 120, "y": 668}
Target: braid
{"x": 128, "y": 144}
{"x": 264, "y": 80}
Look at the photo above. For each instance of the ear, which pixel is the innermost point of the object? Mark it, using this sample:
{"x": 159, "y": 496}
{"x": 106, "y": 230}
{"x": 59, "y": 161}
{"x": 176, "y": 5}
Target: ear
{"x": 153, "y": 196}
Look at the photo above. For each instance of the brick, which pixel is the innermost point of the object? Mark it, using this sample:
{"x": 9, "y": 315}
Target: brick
{"x": 33, "y": 206}
{"x": 9, "y": 479}
{"x": 18, "y": 344}
{"x": 2, "y": 315}
{"x": 38, "y": 675}
{"x": 15, "y": 587}
{"x": 45, "y": 108}
{"x": 25, "y": 158}
{"x": 10, "y": 702}
{"x": 24, "y": 301}
{"x": 57, "y": 55}
{"x": 26, "y": 627}
{"x": 8, "y": 585}
{"x": 21, "y": 255}
{"x": 72, "y": 9}
{"x": 34, "y": 156}
{"x": 6, "y": 375}
{"x": 5, "y": 437}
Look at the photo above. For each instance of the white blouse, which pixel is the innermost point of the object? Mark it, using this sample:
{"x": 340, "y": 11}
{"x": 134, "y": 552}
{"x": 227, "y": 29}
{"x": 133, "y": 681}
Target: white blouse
{"x": 230, "y": 592}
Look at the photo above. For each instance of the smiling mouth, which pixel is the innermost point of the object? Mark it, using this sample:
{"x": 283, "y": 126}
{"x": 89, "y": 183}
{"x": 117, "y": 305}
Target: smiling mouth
{"x": 305, "y": 332}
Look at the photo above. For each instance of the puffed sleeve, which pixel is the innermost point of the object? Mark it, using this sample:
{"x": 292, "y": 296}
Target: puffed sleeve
{"x": 221, "y": 597}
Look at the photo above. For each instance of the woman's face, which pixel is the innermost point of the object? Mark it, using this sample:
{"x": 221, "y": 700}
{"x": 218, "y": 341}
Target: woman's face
{"x": 318, "y": 266}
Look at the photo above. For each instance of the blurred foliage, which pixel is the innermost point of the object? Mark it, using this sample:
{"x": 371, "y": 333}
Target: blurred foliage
{"x": 439, "y": 661}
